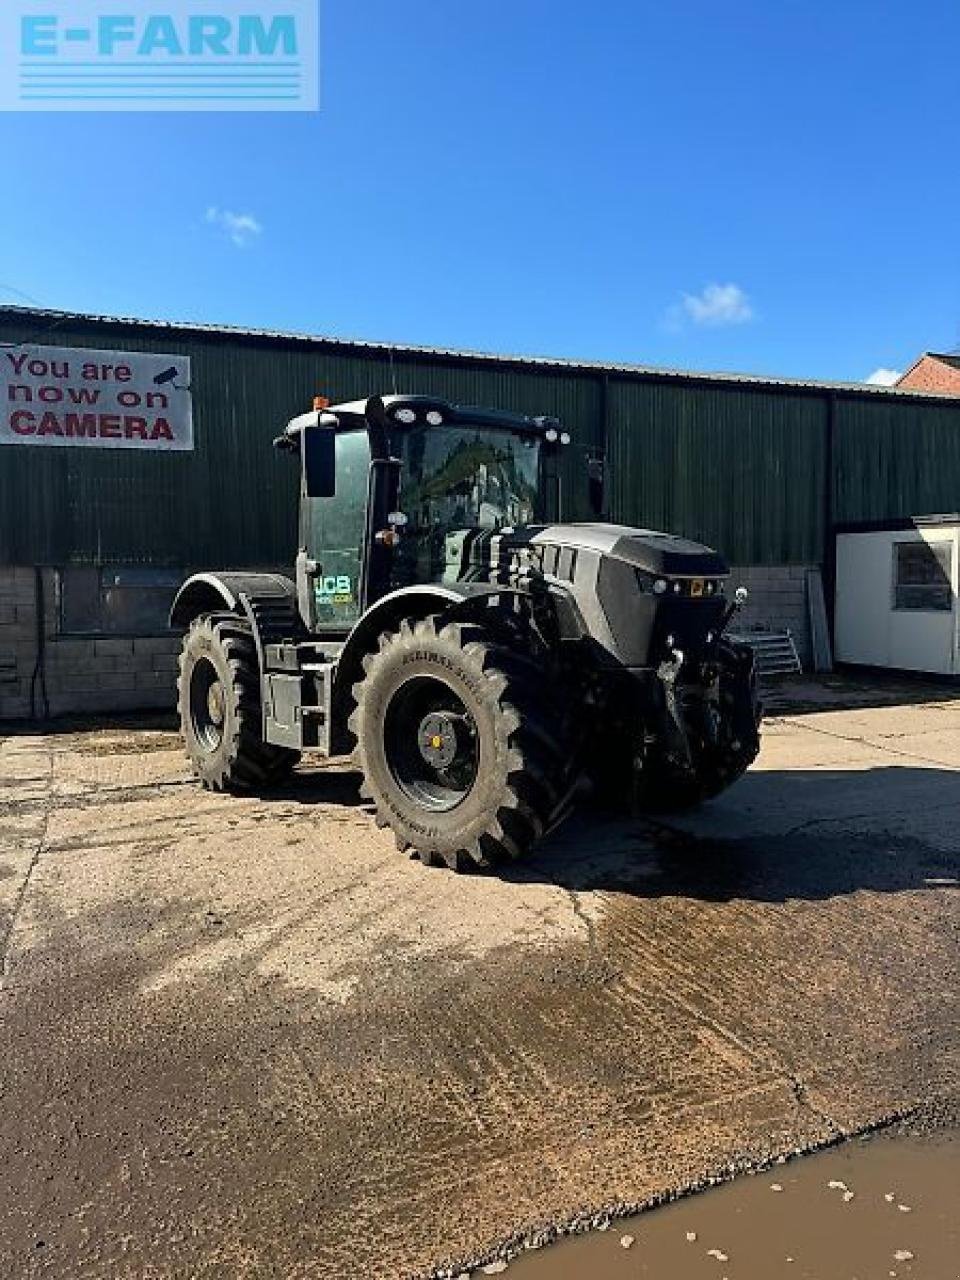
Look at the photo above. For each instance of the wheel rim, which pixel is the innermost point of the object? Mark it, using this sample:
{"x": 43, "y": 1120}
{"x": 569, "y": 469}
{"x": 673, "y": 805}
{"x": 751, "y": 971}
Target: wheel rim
{"x": 207, "y": 705}
{"x": 431, "y": 744}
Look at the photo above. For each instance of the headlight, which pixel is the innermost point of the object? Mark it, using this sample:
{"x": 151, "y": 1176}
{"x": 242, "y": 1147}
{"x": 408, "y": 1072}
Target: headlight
{"x": 660, "y": 586}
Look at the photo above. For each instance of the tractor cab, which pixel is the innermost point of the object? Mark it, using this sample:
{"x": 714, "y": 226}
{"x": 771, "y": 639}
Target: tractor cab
{"x": 403, "y": 490}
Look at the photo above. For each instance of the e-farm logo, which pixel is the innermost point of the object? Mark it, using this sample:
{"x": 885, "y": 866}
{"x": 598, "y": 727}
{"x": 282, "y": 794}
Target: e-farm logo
{"x": 182, "y": 55}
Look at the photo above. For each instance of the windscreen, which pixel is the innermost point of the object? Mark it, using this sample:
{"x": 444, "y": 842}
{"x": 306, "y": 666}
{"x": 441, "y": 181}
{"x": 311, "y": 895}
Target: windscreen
{"x": 457, "y": 480}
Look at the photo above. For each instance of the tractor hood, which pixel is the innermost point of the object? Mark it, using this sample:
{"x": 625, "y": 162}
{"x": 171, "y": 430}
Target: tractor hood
{"x": 659, "y": 554}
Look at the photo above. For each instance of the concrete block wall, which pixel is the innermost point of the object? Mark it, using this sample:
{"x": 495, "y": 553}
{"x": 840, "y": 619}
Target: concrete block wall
{"x": 17, "y": 639}
{"x": 83, "y": 673}
{"x": 778, "y": 601}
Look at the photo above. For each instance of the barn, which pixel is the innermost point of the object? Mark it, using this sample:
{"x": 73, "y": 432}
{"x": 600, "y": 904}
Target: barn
{"x": 135, "y": 452}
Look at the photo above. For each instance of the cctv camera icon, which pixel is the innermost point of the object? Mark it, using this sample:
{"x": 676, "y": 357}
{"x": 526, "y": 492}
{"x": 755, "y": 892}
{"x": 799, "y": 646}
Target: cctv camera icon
{"x": 169, "y": 376}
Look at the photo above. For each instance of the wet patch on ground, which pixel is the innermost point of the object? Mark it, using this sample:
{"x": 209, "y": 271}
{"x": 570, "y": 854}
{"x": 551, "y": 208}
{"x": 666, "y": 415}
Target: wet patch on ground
{"x": 241, "y": 1119}
{"x": 882, "y": 1206}
{"x": 244, "y": 1037}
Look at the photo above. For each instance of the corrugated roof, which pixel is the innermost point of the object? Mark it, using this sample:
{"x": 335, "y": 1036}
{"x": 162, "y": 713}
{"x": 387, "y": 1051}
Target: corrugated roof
{"x": 48, "y": 321}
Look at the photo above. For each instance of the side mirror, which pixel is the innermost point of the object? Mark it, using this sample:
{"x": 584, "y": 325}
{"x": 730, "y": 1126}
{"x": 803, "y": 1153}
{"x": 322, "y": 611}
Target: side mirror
{"x": 377, "y": 427}
{"x": 375, "y": 413}
{"x": 318, "y": 462}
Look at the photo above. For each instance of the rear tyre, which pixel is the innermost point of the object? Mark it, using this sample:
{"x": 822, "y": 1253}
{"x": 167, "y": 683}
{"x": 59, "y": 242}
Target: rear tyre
{"x": 462, "y": 749}
{"x": 220, "y": 715}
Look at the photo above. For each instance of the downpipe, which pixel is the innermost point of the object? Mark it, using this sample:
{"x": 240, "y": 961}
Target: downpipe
{"x": 39, "y": 677}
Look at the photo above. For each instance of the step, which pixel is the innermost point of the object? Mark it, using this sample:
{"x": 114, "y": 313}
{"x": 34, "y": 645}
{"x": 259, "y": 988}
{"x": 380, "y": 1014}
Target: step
{"x": 774, "y": 651}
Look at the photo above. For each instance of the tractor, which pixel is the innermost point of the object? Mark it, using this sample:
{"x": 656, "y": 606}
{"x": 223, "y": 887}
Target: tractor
{"x": 479, "y": 660}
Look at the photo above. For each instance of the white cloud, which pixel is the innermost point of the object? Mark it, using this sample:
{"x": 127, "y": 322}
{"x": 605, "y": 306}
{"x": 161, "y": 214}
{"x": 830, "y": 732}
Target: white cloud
{"x": 883, "y": 377}
{"x": 716, "y": 306}
{"x": 242, "y": 228}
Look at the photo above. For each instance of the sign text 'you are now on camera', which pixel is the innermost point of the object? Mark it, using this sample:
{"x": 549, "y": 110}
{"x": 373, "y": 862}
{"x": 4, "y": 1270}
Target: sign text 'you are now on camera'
{"x": 61, "y": 396}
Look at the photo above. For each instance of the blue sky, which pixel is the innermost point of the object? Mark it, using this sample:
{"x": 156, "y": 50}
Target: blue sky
{"x": 765, "y": 187}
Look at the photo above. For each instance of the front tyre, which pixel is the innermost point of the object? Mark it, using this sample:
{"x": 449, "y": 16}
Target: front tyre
{"x": 220, "y": 715}
{"x": 460, "y": 743}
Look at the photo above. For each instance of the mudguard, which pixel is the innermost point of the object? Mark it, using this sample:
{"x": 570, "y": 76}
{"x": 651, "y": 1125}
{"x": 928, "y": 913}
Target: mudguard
{"x": 222, "y": 591}
{"x": 415, "y": 602}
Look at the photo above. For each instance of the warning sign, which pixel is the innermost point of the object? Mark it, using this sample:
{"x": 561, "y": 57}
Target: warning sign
{"x": 58, "y": 396}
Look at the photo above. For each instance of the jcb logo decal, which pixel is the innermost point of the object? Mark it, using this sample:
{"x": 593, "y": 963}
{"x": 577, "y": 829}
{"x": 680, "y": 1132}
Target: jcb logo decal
{"x": 335, "y": 590}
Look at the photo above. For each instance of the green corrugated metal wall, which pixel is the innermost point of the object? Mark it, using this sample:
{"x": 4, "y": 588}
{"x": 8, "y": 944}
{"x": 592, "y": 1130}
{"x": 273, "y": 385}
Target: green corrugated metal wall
{"x": 889, "y": 462}
{"x": 740, "y": 467}
{"x": 232, "y": 501}
{"x": 742, "y": 470}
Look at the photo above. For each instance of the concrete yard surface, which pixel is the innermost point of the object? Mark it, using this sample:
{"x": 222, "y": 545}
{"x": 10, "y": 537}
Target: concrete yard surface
{"x": 244, "y": 1037}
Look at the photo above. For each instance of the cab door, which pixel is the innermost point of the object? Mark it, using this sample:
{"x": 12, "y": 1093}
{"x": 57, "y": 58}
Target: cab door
{"x": 333, "y": 533}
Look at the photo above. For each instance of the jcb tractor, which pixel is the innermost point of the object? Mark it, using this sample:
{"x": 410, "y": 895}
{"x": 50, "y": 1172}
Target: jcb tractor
{"x": 477, "y": 659}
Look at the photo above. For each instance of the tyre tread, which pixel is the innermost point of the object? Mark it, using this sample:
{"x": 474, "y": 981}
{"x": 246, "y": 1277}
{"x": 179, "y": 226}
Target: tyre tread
{"x": 541, "y": 758}
{"x": 246, "y": 763}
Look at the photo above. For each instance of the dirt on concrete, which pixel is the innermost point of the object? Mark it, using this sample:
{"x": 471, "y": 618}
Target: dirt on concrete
{"x": 245, "y": 1037}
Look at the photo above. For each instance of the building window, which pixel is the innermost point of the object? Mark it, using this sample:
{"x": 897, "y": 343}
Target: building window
{"x": 923, "y": 576}
{"x": 116, "y": 601}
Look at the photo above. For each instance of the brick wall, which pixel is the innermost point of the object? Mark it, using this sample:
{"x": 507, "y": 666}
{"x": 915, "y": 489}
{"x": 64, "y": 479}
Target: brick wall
{"x": 930, "y": 373}
{"x": 83, "y": 673}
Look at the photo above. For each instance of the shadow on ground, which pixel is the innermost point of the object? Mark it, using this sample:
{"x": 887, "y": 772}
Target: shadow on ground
{"x": 754, "y": 852}
{"x": 133, "y": 722}
{"x": 777, "y": 835}
{"x": 852, "y": 690}
{"x": 181, "y": 1097}
{"x": 745, "y": 844}
{"x": 319, "y": 782}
